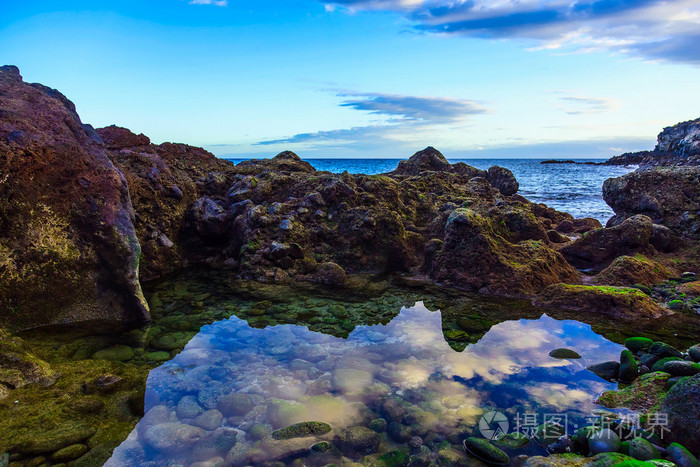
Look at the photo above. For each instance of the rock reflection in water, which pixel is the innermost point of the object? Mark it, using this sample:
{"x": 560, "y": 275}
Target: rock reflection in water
{"x": 220, "y": 399}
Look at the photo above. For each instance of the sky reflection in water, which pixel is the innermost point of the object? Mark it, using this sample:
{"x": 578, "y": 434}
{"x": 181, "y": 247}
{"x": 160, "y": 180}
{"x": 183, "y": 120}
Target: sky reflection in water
{"x": 292, "y": 375}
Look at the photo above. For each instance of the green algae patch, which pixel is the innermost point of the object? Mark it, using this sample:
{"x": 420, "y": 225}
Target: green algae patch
{"x": 645, "y": 392}
{"x": 302, "y": 430}
{"x": 91, "y": 402}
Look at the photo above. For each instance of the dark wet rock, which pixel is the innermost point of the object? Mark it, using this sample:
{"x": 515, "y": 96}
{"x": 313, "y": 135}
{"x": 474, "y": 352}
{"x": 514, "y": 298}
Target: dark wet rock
{"x": 301, "y": 430}
{"x": 605, "y": 440}
{"x": 645, "y": 392}
{"x": 564, "y": 353}
{"x": 173, "y": 437}
{"x": 606, "y": 370}
{"x": 643, "y": 450}
{"x": 556, "y": 237}
{"x": 503, "y": 180}
{"x": 663, "y": 350}
{"x": 19, "y": 366}
{"x": 429, "y": 159}
{"x": 65, "y": 214}
{"x": 628, "y": 367}
{"x": 637, "y": 344}
{"x": 399, "y": 432}
{"x": 632, "y": 270}
{"x": 482, "y": 449}
{"x": 681, "y": 368}
{"x": 681, "y": 456}
{"x": 597, "y": 248}
{"x": 647, "y": 192}
{"x": 208, "y": 218}
{"x": 618, "y": 302}
{"x": 378, "y": 425}
{"x": 682, "y": 404}
{"x": 694, "y": 352}
{"x": 661, "y": 363}
{"x": 358, "y": 441}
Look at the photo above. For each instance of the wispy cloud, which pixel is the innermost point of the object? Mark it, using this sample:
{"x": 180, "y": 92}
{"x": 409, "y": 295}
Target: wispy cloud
{"x": 426, "y": 109}
{"x": 408, "y": 116}
{"x": 653, "y": 29}
{"x": 209, "y": 2}
{"x": 588, "y": 105}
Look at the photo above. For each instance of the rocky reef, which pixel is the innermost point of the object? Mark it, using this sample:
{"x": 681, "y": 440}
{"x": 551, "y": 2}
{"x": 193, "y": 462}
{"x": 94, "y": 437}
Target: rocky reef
{"x": 676, "y": 145}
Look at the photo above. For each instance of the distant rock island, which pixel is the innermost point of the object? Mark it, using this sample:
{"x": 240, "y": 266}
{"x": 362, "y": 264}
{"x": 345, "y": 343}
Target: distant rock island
{"x": 570, "y": 161}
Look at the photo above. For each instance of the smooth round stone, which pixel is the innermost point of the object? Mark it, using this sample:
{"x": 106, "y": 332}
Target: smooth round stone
{"x": 681, "y": 368}
{"x": 173, "y": 437}
{"x": 323, "y": 446}
{"x": 659, "y": 366}
{"x": 628, "y": 366}
{"x": 349, "y": 380}
{"x": 638, "y": 344}
{"x": 118, "y": 353}
{"x": 681, "y": 456}
{"x": 235, "y": 404}
{"x": 378, "y": 425}
{"x": 564, "y": 354}
{"x": 216, "y": 443}
{"x": 604, "y": 440}
{"x": 482, "y": 449}
{"x": 514, "y": 440}
{"x": 69, "y": 453}
{"x": 188, "y": 407}
{"x": 606, "y": 370}
{"x": 694, "y": 352}
{"x": 359, "y": 441}
{"x": 209, "y": 420}
{"x": 663, "y": 350}
{"x": 643, "y": 450}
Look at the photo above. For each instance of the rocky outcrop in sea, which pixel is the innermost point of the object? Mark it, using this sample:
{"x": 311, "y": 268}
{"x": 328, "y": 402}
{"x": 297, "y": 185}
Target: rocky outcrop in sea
{"x": 676, "y": 145}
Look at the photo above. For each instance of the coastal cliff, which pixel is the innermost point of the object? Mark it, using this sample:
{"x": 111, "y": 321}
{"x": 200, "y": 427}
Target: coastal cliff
{"x": 676, "y": 145}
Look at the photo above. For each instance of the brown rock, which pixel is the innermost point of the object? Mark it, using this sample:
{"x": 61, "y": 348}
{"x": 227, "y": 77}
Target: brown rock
{"x": 65, "y": 214}
{"x": 618, "y": 302}
{"x": 630, "y": 270}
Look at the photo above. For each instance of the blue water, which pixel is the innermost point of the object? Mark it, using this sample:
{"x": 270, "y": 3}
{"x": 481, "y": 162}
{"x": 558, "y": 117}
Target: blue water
{"x": 572, "y": 188}
{"x": 290, "y": 374}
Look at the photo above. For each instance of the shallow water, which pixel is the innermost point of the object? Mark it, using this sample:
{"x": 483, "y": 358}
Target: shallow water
{"x": 444, "y": 369}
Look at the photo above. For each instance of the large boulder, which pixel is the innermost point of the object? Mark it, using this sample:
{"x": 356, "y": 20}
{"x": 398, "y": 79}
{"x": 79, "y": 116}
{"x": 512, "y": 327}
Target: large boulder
{"x": 429, "y": 159}
{"x": 631, "y": 270}
{"x": 285, "y": 161}
{"x": 668, "y": 195}
{"x": 68, "y": 247}
{"x": 617, "y": 302}
{"x": 598, "y": 247}
{"x": 682, "y": 405}
{"x": 475, "y": 257}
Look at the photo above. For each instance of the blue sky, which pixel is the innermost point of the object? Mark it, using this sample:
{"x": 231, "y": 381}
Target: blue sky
{"x": 369, "y": 78}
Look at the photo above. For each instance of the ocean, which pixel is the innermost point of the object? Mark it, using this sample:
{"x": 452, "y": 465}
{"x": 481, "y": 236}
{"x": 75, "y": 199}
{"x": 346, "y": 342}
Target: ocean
{"x": 572, "y": 188}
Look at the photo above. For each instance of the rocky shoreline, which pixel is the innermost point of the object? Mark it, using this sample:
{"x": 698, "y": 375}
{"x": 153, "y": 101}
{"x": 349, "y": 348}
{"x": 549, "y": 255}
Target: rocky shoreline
{"x": 87, "y": 216}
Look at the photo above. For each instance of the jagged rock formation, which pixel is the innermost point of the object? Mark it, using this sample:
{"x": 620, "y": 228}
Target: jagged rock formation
{"x": 668, "y": 195}
{"x": 68, "y": 248}
{"x": 676, "y": 145}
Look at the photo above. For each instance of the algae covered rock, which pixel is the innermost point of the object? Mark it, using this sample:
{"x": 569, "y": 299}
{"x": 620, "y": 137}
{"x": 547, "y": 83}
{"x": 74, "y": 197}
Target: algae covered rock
{"x": 482, "y": 449}
{"x": 645, "y": 392}
{"x": 617, "y": 302}
{"x": 301, "y": 430}
{"x": 564, "y": 353}
{"x": 682, "y": 404}
{"x": 631, "y": 270}
{"x": 628, "y": 366}
{"x": 75, "y": 256}
{"x": 637, "y": 344}
{"x": 681, "y": 456}
{"x": 358, "y": 441}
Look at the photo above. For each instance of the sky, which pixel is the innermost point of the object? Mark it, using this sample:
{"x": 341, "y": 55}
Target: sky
{"x": 369, "y": 78}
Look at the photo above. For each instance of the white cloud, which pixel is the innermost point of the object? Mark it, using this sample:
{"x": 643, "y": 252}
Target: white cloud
{"x": 209, "y": 2}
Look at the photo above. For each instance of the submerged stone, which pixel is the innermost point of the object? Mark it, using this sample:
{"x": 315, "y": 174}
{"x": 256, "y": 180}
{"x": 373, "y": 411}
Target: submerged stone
{"x": 605, "y": 440}
{"x": 358, "y": 441}
{"x": 173, "y": 437}
{"x": 482, "y": 449}
{"x": 118, "y": 353}
{"x": 301, "y": 430}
